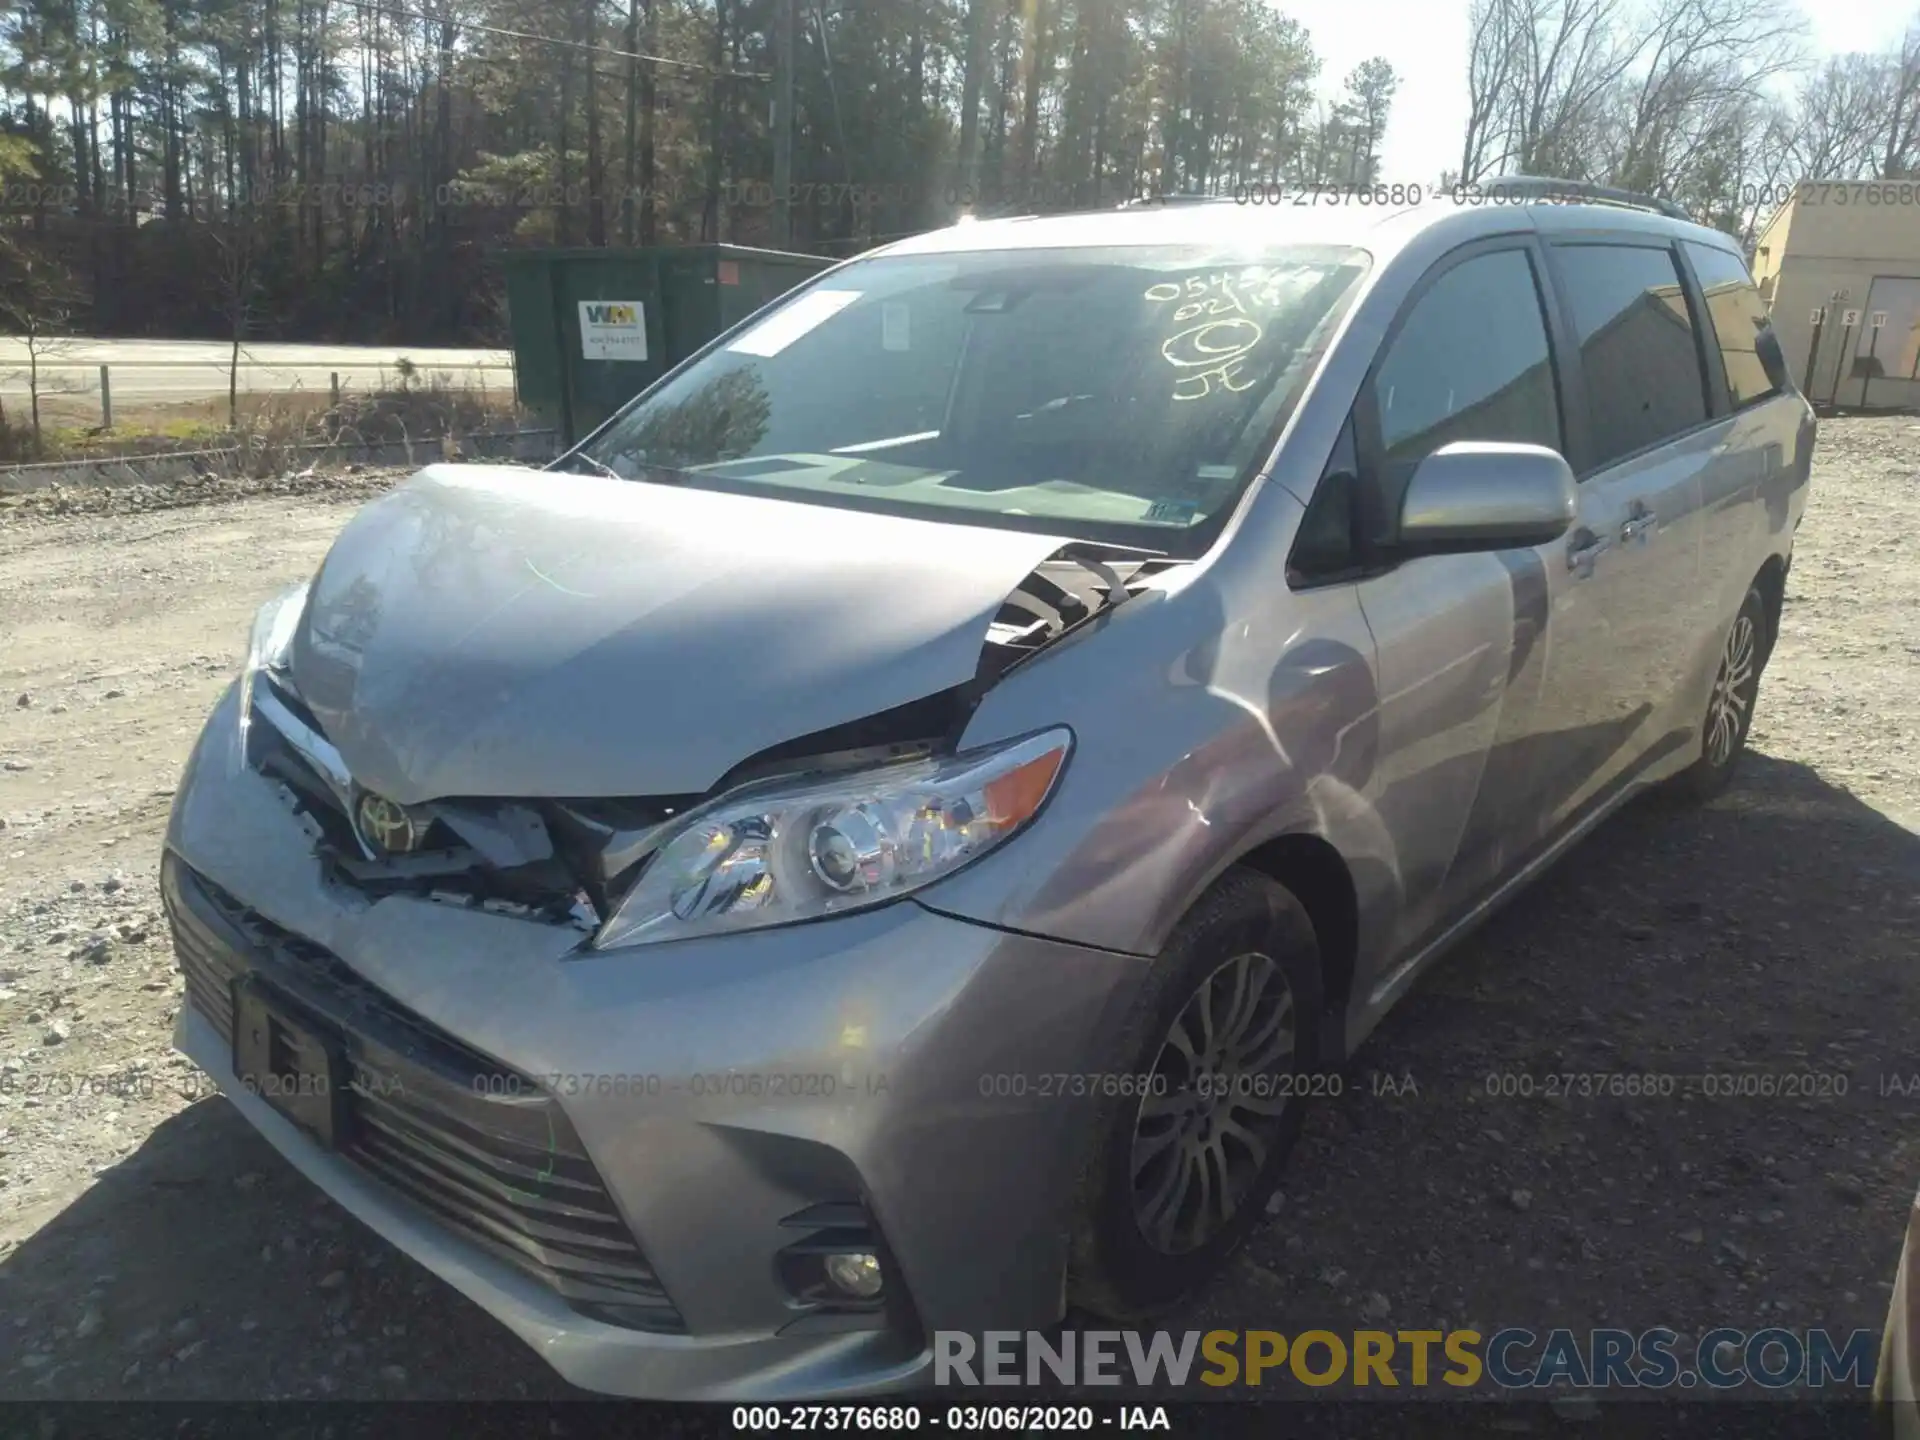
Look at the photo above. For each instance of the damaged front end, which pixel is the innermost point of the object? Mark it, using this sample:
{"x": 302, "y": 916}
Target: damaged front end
{"x": 852, "y": 815}
{"x": 1078, "y": 584}
{"x": 530, "y": 860}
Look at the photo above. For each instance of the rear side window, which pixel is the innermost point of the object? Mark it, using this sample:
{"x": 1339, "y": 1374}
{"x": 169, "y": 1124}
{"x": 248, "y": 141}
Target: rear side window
{"x": 1738, "y": 315}
{"x": 1637, "y": 346}
{"x": 1469, "y": 363}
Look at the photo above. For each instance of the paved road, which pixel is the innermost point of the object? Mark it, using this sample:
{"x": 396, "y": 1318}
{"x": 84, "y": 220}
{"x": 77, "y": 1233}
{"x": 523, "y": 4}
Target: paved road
{"x": 179, "y": 370}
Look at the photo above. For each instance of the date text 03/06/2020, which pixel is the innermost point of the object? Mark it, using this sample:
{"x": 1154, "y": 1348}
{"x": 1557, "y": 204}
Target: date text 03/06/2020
{"x": 1013, "y": 1419}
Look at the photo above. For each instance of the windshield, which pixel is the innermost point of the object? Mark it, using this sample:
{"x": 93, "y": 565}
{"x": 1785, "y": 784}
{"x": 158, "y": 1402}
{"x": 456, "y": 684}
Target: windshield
{"x": 1121, "y": 394}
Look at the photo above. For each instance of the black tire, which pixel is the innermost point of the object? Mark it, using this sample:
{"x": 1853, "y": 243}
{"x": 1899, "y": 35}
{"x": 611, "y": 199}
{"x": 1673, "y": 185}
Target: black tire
{"x": 1723, "y": 732}
{"x": 1115, "y": 1269}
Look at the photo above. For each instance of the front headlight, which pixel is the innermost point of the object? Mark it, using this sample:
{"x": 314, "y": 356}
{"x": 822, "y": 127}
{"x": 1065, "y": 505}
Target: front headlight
{"x": 272, "y": 633}
{"x": 779, "y": 853}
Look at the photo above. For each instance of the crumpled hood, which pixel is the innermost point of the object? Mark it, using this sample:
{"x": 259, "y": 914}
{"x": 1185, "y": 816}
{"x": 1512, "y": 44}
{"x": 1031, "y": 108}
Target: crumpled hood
{"x": 497, "y": 631}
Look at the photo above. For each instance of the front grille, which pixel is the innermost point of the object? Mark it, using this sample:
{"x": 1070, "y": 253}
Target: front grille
{"x": 477, "y": 1145}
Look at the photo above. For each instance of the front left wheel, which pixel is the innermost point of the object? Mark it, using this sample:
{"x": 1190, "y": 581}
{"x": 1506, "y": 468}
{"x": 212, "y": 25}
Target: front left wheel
{"x": 1219, "y": 1051}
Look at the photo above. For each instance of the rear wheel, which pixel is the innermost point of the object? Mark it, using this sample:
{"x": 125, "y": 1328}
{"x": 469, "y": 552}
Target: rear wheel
{"x": 1219, "y": 1047}
{"x": 1736, "y": 689}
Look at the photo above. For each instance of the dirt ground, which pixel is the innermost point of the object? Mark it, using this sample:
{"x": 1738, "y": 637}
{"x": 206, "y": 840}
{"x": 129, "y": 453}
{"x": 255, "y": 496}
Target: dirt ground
{"x": 152, "y": 1248}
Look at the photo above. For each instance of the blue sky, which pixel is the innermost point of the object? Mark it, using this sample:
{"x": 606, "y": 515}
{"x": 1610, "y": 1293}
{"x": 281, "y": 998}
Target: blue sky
{"x": 1426, "y": 43}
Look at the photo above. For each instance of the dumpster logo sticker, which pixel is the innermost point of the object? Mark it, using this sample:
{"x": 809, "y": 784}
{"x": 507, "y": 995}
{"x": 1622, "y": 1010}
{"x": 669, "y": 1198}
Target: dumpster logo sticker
{"x": 613, "y": 330}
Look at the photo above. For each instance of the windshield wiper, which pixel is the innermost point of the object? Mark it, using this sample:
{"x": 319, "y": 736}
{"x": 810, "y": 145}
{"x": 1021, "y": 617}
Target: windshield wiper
{"x": 565, "y": 462}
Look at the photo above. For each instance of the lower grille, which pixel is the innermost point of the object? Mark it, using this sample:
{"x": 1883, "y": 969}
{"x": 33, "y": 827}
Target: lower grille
{"x": 474, "y": 1143}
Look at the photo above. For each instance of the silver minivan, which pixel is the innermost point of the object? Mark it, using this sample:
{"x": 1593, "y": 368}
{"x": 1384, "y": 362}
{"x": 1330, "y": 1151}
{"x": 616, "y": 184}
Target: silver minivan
{"x": 887, "y": 835}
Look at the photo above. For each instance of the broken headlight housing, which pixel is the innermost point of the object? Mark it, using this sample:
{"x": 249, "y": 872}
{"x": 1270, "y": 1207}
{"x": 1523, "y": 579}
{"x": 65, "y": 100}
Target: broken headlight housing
{"x": 787, "y": 851}
{"x": 272, "y": 633}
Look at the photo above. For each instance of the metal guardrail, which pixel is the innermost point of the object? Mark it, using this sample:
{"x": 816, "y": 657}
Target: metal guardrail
{"x": 420, "y": 367}
{"x": 54, "y": 382}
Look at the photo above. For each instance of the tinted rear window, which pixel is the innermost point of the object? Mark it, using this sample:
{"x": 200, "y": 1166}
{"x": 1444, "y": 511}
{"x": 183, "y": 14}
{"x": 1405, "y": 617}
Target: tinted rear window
{"x": 1637, "y": 347}
{"x": 1738, "y": 315}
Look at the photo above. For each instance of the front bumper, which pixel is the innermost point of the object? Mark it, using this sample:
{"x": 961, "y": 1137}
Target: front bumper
{"x": 752, "y": 1081}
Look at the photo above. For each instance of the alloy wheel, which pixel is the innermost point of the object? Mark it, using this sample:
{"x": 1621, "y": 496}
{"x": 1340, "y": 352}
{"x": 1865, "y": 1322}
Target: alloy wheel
{"x": 1219, "y": 1083}
{"x": 1733, "y": 691}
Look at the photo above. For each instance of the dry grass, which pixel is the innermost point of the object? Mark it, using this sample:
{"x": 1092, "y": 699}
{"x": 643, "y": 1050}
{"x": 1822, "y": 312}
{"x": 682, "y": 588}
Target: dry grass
{"x": 428, "y": 409}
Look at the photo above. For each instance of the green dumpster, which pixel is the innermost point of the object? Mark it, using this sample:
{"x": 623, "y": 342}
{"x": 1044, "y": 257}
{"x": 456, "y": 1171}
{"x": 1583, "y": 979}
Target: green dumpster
{"x": 593, "y": 328}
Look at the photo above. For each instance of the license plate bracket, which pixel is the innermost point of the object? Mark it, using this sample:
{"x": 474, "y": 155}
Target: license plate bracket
{"x": 296, "y": 1065}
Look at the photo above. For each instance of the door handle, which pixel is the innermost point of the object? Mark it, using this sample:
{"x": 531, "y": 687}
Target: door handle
{"x": 1642, "y": 522}
{"x": 1583, "y": 550}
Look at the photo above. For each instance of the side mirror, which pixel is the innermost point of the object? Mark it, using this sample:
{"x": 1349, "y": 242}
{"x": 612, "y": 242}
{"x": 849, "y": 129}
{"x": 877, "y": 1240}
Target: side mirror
{"x": 1476, "y": 495}
{"x": 1773, "y": 360}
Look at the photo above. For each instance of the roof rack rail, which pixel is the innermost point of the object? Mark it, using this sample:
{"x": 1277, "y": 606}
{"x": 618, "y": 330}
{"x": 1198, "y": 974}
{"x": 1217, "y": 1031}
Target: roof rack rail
{"x": 1178, "y": 197}
{"x": 1582, "y": 191}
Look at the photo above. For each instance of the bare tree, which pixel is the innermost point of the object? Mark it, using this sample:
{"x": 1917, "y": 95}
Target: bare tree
{"x": 1672, "y": 97}
{"x": 1902, "y": 156}
{"x": 1840, "y": 118}
{"x": 1705, "y": 62}
{"x": 1767, "y": 169}
{"x": 1575, "y": 55}
{"x": 36, "y": 308}
{"x": 1541, "y": 77}
{"x": 238, "y": 241}
{"x": 1492, "y": 64}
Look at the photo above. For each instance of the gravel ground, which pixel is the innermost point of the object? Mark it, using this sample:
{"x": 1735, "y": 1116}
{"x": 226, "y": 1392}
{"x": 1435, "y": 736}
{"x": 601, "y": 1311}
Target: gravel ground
{"x": 152, "y": 1248}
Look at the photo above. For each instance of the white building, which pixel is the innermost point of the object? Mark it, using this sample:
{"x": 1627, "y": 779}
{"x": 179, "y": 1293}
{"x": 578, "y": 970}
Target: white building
{"x": 1841, "y": 260}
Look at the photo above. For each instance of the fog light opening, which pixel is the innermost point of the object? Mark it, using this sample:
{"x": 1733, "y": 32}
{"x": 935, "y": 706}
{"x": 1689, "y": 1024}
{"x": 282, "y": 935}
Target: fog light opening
{"x": 855, "y": 1274}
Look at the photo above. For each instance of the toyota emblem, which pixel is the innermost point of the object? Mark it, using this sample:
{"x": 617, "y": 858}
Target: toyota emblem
{"x": 387, "y": 826}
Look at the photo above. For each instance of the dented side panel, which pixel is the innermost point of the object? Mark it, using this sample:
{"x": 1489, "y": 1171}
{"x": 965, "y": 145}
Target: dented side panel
{"x": 1215, "y": 735}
